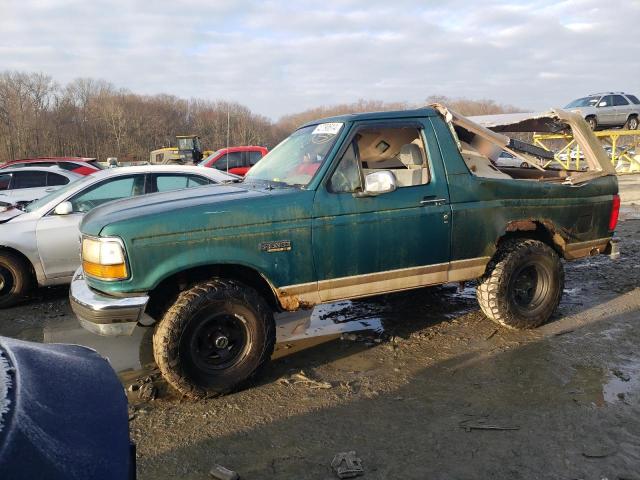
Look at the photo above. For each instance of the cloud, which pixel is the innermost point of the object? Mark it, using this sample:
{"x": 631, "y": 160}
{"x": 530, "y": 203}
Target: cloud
{"x": 281, "y": 57}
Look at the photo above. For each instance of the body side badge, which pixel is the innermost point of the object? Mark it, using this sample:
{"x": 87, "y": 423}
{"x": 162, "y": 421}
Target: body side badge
{"x": 276, "y": 246}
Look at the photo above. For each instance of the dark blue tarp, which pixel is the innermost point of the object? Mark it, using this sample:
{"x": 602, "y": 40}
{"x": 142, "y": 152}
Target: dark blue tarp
{"x": 65, "y": 414}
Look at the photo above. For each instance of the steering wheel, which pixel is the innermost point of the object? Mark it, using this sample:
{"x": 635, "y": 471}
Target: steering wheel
{"x": 82, "y": 207}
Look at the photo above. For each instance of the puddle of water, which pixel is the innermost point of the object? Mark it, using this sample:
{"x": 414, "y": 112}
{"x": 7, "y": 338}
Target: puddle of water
{"x": 623, "y": 380}
{"x": 123, "y": 353}
{"x": 295, "y": 331}
{"x": 337, "y": 318}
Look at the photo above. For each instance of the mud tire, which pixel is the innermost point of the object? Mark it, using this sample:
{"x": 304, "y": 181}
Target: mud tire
{"x": 506, "y": 287}
{"x": 183, "y": 337}
{"x": 16, "y": 279}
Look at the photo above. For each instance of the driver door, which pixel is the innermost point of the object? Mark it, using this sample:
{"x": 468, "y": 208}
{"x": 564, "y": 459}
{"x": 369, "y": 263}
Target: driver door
{"x": 58, "y": 236}
{"x": 365, "y": 245}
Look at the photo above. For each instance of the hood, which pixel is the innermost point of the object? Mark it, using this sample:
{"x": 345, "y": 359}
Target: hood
{"x": 158, "y": 203}
{"x": 7, "y": 213}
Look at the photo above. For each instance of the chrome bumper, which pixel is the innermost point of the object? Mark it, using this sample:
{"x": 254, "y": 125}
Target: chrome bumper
{"x": 102, "y": 314}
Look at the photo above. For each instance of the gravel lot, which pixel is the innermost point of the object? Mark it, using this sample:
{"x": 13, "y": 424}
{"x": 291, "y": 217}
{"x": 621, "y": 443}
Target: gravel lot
{"x": 420, "y": 384}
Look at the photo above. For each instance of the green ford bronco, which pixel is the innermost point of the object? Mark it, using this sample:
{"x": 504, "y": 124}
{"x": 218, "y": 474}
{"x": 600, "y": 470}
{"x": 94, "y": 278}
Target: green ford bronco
{"x": 345, "y": 207}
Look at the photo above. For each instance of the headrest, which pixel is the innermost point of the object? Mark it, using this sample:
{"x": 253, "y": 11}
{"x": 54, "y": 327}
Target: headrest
{"x": 411, "y": 155}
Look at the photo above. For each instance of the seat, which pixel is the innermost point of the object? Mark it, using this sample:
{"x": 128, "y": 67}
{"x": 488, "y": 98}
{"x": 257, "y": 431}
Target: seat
{"x": 411, "y": 157}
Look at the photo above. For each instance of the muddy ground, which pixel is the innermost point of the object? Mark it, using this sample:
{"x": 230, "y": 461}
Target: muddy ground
{"x": 420, "y": 384}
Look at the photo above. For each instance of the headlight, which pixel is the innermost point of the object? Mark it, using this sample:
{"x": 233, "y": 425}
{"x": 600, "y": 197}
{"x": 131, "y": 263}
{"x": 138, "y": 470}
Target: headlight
{"x": 104, "y": 258}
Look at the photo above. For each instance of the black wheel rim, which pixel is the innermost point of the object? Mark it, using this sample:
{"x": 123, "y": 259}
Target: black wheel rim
{"x": 529, "y": 287}
{"x": 6, "y": 281}
{"x": 218, "y": 342}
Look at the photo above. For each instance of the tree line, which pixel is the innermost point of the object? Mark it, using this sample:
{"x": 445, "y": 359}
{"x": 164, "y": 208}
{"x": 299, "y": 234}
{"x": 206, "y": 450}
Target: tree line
{"x": 93, "y": 118}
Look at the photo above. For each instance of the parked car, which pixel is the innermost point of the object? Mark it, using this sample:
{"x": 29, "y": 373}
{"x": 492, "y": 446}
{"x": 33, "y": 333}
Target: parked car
{"x": 25, "y": 184}
{"x": 346, "y": 207}
{"x": 60, "y": 405}
{"x": 236, "y": 160}
{"x": 79, "y": 165}
{"x": 39, "y": 244}
{"x": 508, "y": 160}
{"x": 609, "y": 109}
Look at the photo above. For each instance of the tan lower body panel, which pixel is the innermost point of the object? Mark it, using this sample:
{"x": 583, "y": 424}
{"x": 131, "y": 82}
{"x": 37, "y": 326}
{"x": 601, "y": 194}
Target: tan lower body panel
{"x": 309, "y": 294}
{"x": 573, "y": 251}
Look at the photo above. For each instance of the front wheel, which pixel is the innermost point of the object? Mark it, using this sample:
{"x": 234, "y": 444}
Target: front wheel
{"x": 523, "y": 284}
{"x": 15, "y": 279}
{"x": 215, "y": 337}
{"x": 592, "y": 122}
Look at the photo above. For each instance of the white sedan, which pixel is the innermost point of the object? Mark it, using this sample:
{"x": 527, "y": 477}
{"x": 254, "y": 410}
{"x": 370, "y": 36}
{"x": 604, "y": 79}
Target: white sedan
{"x": 39, "y": 244}
{"x": 507, "y": 160}
{"x": 24, "y": 184}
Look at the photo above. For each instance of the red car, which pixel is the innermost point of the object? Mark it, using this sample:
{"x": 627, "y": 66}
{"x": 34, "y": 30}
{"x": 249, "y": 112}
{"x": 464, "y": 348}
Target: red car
{"x": 239, "y": 159}
{"x": 79, "y": 165}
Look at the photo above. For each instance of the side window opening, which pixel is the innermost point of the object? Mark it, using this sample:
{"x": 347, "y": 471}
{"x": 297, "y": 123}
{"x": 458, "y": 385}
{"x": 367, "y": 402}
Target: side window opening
{"x": 195, "y": 181}
{"x": 5, "y": 180}
{"x": 399, "y": 150}
{"x": 53, "y": 179}
{"x": 113, "y": 189}
{"x": 31, "y": 179}
{"x": 619, "y": 101}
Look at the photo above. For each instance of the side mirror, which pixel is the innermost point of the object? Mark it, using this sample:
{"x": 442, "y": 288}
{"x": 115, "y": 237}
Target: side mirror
{"x": 380, "y": 182}
{"x": 64, "y": 208}
{"x": 602, "y": 104}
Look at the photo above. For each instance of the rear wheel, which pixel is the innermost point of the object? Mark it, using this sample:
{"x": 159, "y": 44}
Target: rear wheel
{"x": 592, "y": 122}
{"x": 215, "y": 337}
{"x": 15, "y": 279}
{"x": 632, "y": 123}
{"x": 523, "y": 284}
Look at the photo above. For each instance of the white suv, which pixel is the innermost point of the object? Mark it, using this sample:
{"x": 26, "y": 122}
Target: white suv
{"x": 608, "y": 109}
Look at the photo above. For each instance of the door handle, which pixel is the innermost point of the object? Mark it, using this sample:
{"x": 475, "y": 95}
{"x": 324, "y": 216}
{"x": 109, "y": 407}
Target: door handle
{"x": 433, "y": 201}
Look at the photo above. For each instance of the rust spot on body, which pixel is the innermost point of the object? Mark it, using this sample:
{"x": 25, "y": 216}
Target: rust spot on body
{"x": 521, "y": 225}
{"x": 292, "y": 303}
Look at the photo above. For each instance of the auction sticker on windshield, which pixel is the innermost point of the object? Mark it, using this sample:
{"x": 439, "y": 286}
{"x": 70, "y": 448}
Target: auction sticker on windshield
{"x": 327, "y": 128}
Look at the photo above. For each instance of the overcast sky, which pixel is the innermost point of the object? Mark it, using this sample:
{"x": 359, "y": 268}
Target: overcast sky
{"x": 283, "y": 57}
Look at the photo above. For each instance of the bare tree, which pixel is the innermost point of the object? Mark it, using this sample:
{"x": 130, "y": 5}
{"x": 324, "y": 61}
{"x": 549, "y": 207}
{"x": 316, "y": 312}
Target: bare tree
{"x": 92, "y": 118}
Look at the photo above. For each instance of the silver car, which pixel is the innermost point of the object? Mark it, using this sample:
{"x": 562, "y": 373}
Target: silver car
{"x": 20, "y": 185}
{"x": 608, "y": 109}
{"x": 39, "y": 244}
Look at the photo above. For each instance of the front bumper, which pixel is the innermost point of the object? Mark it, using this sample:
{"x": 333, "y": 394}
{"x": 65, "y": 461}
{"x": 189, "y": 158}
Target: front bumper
{"x": 102, "y": 314}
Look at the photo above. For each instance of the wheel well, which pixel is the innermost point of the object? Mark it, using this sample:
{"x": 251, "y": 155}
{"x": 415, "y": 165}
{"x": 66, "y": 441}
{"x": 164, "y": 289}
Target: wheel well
{"x": 23, "y": 257}
{"x": 163, "y": 296}
{"x": 534, "y": 229}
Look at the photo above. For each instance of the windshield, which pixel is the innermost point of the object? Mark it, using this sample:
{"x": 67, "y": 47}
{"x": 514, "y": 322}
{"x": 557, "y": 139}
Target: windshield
{"x": 185, "y": 143}
{"x": 95, "y": 163}
{"x": 297, "y": 158}
{"x": 204, "y": 162}
{"x": 55, "y": 194}
{"x": 584, "y": 102}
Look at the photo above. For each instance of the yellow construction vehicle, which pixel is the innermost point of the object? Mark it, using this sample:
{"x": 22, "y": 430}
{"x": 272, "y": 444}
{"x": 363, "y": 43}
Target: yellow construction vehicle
{"x": 188, "y": 152}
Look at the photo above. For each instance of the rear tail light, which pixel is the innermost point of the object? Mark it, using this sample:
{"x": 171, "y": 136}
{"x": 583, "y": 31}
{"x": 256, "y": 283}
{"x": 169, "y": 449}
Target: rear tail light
{"x": 615, "y": 211}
